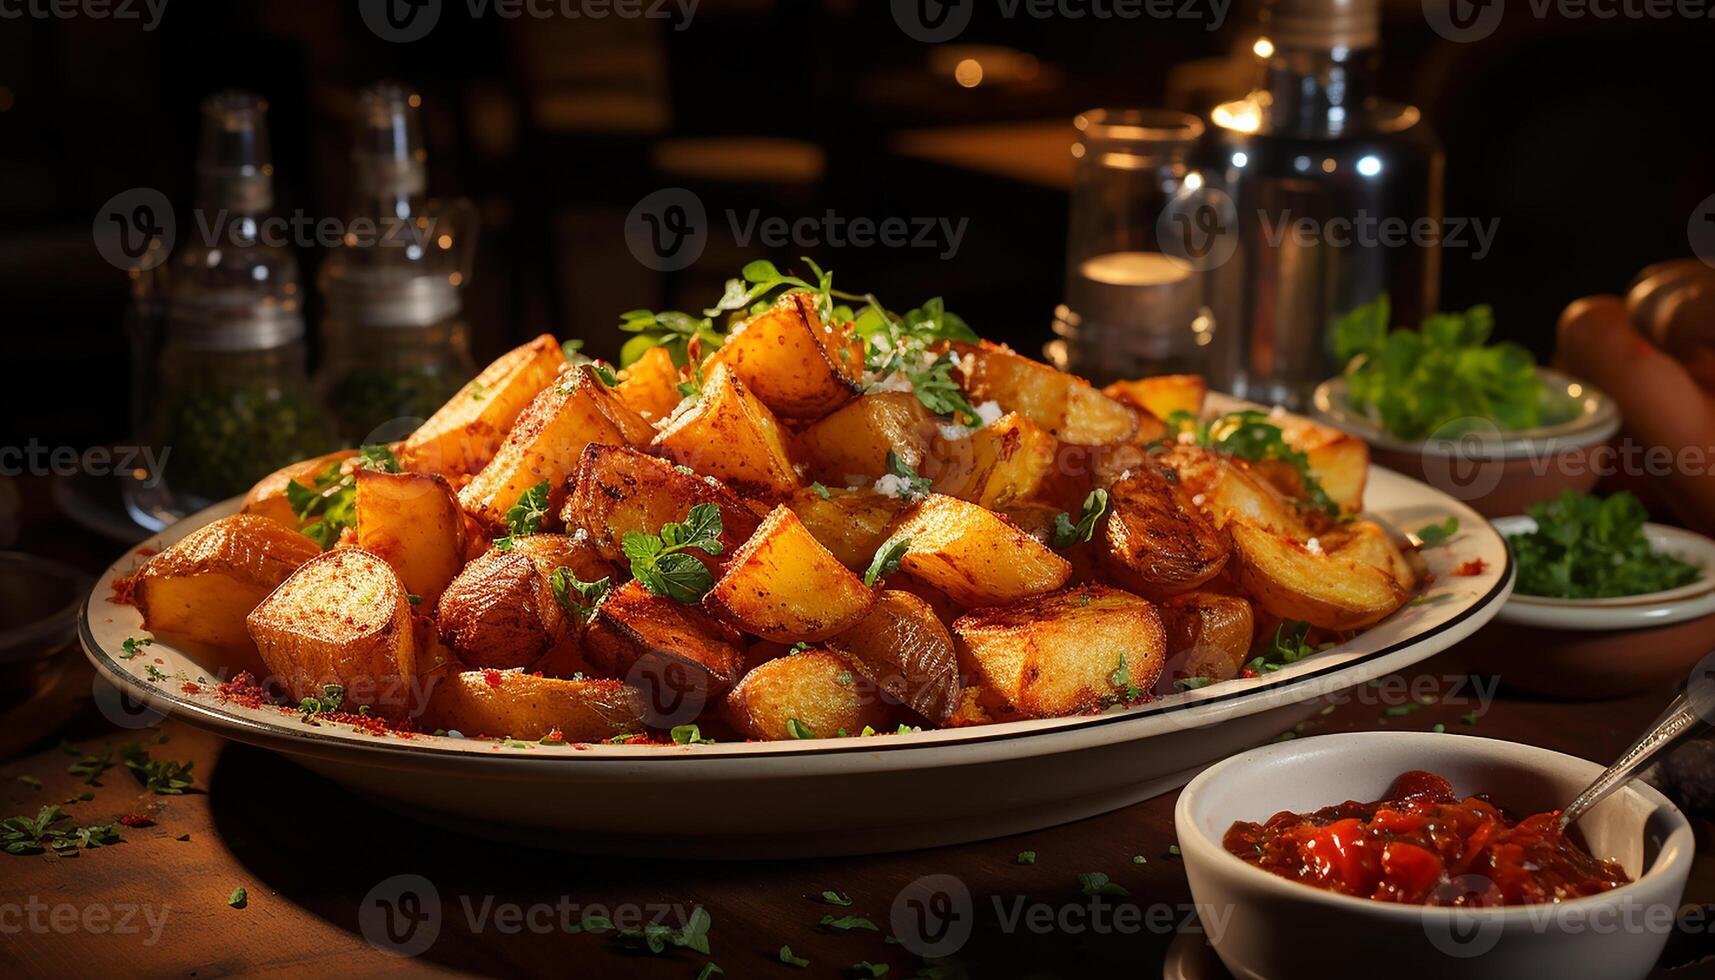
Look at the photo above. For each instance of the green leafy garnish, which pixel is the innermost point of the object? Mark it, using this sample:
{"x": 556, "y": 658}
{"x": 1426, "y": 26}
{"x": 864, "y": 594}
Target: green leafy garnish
{"x": 656, "y": 937}
{"x": 864, "y": 968}
{"x": 30, "y": 781}
{"x": 1585, "y": 547}
{"x": 163, "y": 777}
{"x": 332, "y": 696}
{"x": 662, "y": 562}
{"x": 1287, "y": 645}
{"x": 328, "y": 504}
{"x": 1026, "y": 857}
{"x": 901, "y": 344}
{"x": 916, "y": 487}
{"x": 1192, "y": 683}
{"x": 239, "y": 898}
{"x": 835, "y": 898}
{"x": 709, "y": 969}
{"x": 378, "y": 457}
{"x": 1068, "y": 533}
{"x": 132, "y": 647}
{"x": 689, "y": 735}
{"x": 677, "y": 332}
{"x": 565, "y": 584}
{"x": 1097, "y": 883}
{"x": 1120, "y": 677}
{"x": 1435, "y": 534}
{"x": 886, "y": 560}
{"x": 90, "y": 767}
{"x": 52, "y": 828}
{"x": 846, "y": 923}
{"x": 1249, "y": 435}
{"x": 526, "y": 516}
{"x": 787, "y": 957}
{"x": 820, "y": 490}
{"x": 798, "y": 729}
{"x": 1429, "y": 381}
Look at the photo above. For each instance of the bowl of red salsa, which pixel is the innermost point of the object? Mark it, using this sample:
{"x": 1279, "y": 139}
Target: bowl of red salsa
{"x": 1418, "y": 854}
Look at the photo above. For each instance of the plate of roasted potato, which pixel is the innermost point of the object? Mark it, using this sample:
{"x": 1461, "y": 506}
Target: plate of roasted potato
{"x": 798, "y": 559}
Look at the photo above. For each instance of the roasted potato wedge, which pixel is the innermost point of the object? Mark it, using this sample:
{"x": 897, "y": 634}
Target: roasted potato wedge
{"x": 782, "y": 585}
{"x": 1208, "y": 635}
{"x": 1290, "y": 581}
{"x": 849, "y": 523}
{"x": 650, "y": 387}
{"x": 974, "y": 555}
{"x": 1163, "y": 395}
{"x": 904, "y": 650}
{"x": 1158, "y": 542}
{"x": 1066, "y": 652}
{"x": 1061, "y": 403}
{"x": 203, "y": 587}
{"x": 680, "y": 657}
{"x": 501, "y": 610}
{"x": 1338, "y": 461}
{"x": 1371, "y": 544}
{"x": 499, "y": 703}
{"x": 465, "y": 433}
{"x": 412, "y": 521}
{"x": 1229, "y": 490}
{"x": 800, "y": 367}
{"x": 814, "y": 694}
{"x": 342, "y": 618}
{"x": 568, "y": 415}
{"x": 851, "y": 445}
{"x": 618, "y": 489}
{"x": 731, "y": 435}
{"x": 1009, "y": 461}
{"x": 268, "y": 497}
{"x": 970, "y": 711}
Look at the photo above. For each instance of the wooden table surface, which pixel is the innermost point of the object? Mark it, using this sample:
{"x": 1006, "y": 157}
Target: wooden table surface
{"x": 320, "y": 864}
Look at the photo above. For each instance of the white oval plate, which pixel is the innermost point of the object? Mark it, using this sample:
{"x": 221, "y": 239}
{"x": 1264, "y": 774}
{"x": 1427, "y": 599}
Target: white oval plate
{"x": 825, "y": 796}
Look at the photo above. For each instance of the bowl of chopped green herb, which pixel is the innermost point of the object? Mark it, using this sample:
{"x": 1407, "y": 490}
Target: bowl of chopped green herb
{"x": 1479, "y": 420}
{"x": 1606, "y": 603}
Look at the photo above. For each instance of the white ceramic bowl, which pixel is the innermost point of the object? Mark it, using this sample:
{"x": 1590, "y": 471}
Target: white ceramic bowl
{"x": 1269, "y": 927}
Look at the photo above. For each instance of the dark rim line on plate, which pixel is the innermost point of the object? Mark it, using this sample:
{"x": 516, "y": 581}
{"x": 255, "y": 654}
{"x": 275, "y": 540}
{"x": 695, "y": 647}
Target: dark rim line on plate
{"x": 152, "y": 693}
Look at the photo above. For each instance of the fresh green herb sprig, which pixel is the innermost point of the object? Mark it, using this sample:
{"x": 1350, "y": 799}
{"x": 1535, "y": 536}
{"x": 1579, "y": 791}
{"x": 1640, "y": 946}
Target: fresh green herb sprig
{"x": 1440, "y": 378}
{"x": 916, "y": 487}
{"x": 163, "y": 777}
{"x": 565, "y": 584}
{"x": 1434, "y": 534}
{"x": 1249, "y": 435}
{"x": 1067, "y": 533}
{"x": 886, "y": 561}
{"x": 328, "y": 505}
{"x": 1287, "y": 645}
{"x": 328, "y": 702}
{"x": 901, "y": 344}
{"x": 663, "y": 563}
{"x": 1586, "y": 547}
{"x": 52, "y": 828}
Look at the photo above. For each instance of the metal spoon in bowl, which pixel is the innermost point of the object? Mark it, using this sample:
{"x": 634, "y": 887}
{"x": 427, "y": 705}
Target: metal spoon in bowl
{"x": 1679, "y": 718}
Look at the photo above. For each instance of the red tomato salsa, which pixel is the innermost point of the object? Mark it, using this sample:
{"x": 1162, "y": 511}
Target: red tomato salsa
{"x": 1424, "y": 846}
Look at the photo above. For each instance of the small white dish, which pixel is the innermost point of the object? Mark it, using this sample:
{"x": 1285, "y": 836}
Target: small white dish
{"x": 1279, "y": 928}
{"x": 1663, "y": 608}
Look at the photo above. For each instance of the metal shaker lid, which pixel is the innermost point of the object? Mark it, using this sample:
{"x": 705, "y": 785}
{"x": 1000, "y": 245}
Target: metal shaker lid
{"x": 1323, "y": 24}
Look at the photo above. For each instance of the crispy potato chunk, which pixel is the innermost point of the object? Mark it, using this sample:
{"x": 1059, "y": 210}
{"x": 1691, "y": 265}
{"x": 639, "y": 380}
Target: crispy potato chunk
{"x": 465, "y": 433}
{"x": 650, "y": 387}
{"x": 342, "y": 618}
{"x": 1061, "y": 403}
{"x": 1158, "y": 542}
{"x": 1229, "y": 490}
{"x": 682, "y": 658}
{"x": 1208, "y": 635}
{"x": 501, "y": 610}
{"x": 618, "y": 489}
{"x": 731, "y": 435}
{"x": 1066, "y": 652}
{"x": 851, "y": 445}
{"x": 572, "y": 413}
{"x": 974, "y": 555}
{"x": 970, "y": 711}
{"x": 783, "y": 585}
{"x": 268, "y": 497}
{"x": 1338, "y": 461}
{"x": 1011, "y": 460}
{"x": 814, "y": 694}
{"x": 497, "y": 703}
{"x": 1290, "y": 581}
{"x": 1371, "y": 544}
{"x": 412, "y": 521}
{"x": 204, "y": 586}
{"x": 1163, "y": 395}
{"x": 800, "y": 367}
{"x": 849, "y": 523}
{"x": 904, "y": 650}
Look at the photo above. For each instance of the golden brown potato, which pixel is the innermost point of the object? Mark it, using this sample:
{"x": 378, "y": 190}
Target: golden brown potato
{"x": 1290, "y": 581}
{"x": 974, "y": 555}
{"x": 650, "y": 387}
{"x": 1009, "y": 461}
{"x": 511, "y": 703}
{"x": 1229, "y": 490}
{"x": 342, "y": 618}
{"x": 268, "y": 497}
{"x": 1066, "y": 652}
{"x": 814, "y": 694}
{"x": 1159, "y": 543}
{"x": 849, "y": 523}
{"x": 1208, "y": 635}
{"x": 782, "y": 585}
{"x": 1061, "y": 403}
{"x": 679, "y": 656}
{"x": 618, "y": 489}
{"x": 851, "y": 445}
{"x": 800, "y": 367}
{"x": 465, "y": 433}
{"x": 545, "y": 444}
{"x": 412, "y": 521}
{"x": 1338, "y": 461}
{"x": 202, "y": 587}
{"x": 1163, "y": 395}
{"x": 904, "y": 650}
{"x": 971, "y": 710}
{"x": 501, "y": 610}
{"x": 1040, "y": 521}
{"x": 731, "y": 435}
{"x": 1371, "y": 544}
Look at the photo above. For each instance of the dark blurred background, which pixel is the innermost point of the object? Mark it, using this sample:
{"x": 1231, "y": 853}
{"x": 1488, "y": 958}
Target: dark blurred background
{"x": 1590, "y": 140}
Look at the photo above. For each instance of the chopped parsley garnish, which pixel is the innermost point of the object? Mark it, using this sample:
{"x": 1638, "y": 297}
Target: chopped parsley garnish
{"x": 163, "y": 777}
{"x": 328, "y": 505}
{"x": 1096, "y": 883}
{"x": 1192, "y": 683}
{"x": 332, "y": 696}
{"x": 798, "y": 729}
{"x": 916, "y": 487}
{"x": 239, "y": 898}
{"x": 132, "y": 647}
{"x": 1286, "y": 646}
{"x": 900, "y": 344}
{"x": 1435, "y": 534}
{"x": 1251, "y": 436}
{"x": 1026, "y": 857}
{"x": 689, "y": 735}
{"x": 662, "y": 563}
{"x": 1068, "y": 533}
{"x": 1587, "y": 547}
{"x": 90, "y": 767}
{"x": 709, "y": 969}
{"x": 864, "y": 968}
{"x": 378, "y": 457}
{"x": 52, "y": 828}
{"x": 846, "y": 923}
{"x": 565, "y": 584}
{"x": 787, "y": 957}
{"x": 656, "y": 937}
{"x": 836, "y": 898}
{"x": 1120, "y": 678}
{"x": 30, "y": 781}
{"x": 820, "y": 491}
{"x": 526, "y": 516}
{"x": 886, "y": 561}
